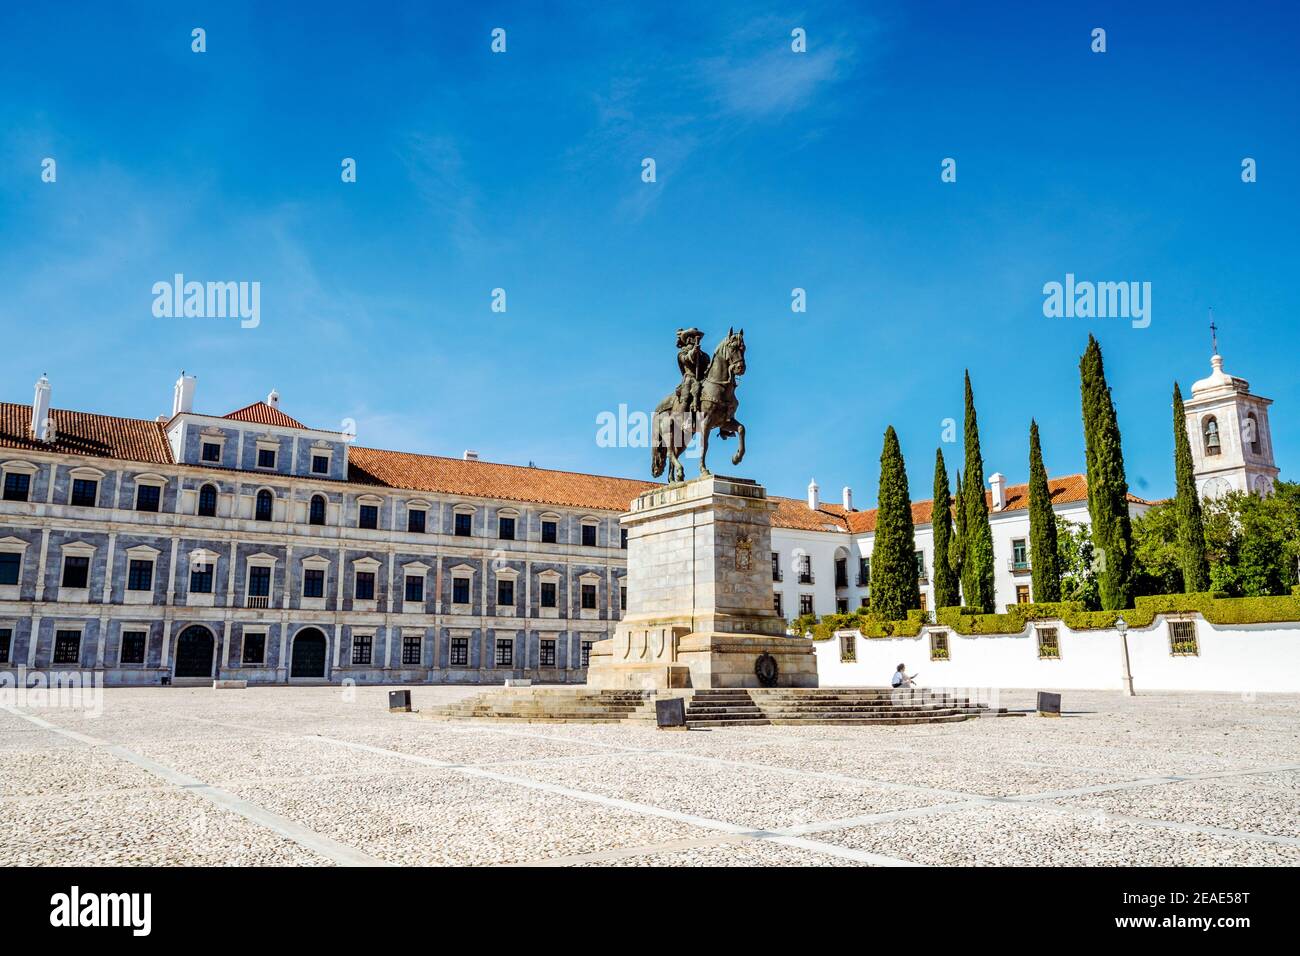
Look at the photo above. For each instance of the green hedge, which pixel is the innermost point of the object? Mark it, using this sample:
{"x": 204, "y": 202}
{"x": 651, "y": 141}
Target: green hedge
{"x": 964, "y": 620}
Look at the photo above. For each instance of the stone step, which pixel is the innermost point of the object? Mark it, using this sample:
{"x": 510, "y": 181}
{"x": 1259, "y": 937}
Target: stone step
{"x": 726, "y": 723}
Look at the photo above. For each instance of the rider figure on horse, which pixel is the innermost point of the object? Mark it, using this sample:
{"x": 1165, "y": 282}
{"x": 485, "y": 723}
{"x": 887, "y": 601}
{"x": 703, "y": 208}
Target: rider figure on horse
{"x": 693, "y": 363}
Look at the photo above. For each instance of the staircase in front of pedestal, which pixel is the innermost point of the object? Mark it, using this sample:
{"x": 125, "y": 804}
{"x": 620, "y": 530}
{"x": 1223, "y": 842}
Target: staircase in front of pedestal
{"x": 865, "y": 705}
{"x": 551, "y": 705}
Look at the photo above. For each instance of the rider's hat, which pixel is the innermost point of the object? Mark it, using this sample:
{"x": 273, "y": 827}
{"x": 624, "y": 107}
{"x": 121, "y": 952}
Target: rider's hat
{"x": 686, "y": 335}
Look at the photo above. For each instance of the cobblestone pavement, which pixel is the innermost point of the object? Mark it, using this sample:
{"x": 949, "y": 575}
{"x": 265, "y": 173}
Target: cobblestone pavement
{"x": 322, "y": 776}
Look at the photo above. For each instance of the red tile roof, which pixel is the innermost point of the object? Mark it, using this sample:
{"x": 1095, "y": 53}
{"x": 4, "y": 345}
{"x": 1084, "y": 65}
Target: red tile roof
{"x": 81, "y": 433}
{"x": 260, "y": 413}
{"x": 484, "y": 479}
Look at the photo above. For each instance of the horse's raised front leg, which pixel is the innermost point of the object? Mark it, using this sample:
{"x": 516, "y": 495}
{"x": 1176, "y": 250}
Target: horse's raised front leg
{"x": 740, "y": 435}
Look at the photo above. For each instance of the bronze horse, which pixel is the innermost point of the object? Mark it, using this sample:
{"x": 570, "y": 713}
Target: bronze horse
{"x": 674, "y": 425}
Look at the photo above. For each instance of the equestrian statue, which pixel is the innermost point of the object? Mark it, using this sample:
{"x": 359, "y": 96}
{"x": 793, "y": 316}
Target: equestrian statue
{"x": 705, "y": 400}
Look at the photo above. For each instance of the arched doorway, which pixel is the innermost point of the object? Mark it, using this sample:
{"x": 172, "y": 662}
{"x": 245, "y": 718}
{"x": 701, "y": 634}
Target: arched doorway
{"x": 308, "y": 658}
{"x": 195, "y": 652}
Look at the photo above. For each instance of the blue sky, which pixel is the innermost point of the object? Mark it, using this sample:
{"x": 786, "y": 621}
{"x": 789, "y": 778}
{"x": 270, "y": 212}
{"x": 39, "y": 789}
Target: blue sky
{"x": 775, "y": 170}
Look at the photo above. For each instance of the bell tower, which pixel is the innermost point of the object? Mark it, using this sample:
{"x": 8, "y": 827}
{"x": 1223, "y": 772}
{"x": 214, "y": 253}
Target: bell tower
{"x": 1227, "y": 426}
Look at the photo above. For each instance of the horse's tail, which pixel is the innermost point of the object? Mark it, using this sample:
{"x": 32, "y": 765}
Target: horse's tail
{"x": 658, "y": 449}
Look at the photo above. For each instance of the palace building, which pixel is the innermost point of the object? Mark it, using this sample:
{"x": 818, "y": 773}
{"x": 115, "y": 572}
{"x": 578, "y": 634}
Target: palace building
{"x": 251, "y": 546}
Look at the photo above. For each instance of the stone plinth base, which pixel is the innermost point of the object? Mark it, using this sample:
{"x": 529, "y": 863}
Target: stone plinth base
{"x": 705, "y": 659}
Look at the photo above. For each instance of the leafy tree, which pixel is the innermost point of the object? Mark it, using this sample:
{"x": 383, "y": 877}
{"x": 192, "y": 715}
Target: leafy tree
{"x": 977, "y": 564}
{"x": 1191, "y": 528}
{"x": 1076, "y": 558}
{"x": 1157, "y": 563}
{"x": 894, "y": 586}
{"x": 1112, "y": 531}
{"x": 1252, "y": 542}
{"x": 945, "y": 578}
{"x": 1045, "y": 567}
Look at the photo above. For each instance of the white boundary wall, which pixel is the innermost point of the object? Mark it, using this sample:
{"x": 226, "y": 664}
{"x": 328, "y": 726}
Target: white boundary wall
{"x": 1246, "y": 658}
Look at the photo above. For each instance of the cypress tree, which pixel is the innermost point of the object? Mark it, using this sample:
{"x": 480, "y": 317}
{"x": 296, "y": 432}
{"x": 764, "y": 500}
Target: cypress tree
{"x": 957, "y": 550}
{"x": 1191, "y": 527}
{"x": 1112, "y": 531}
{"x": 1045, "y": 560}
{"x": 977, "y": 564}
{"x": 945, "y": 578}
{"x": 894, "y": 587}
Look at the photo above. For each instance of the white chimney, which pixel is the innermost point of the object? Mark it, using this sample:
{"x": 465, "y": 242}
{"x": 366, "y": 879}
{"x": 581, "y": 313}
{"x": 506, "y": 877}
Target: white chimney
{"x": 814, "y": 502}
{"x": 42, "y": 427}
{"x": 848, "y": 498}
{"x": 183, "y": 394}
{"x": 998, "y": 482}
{"x": 273, "y": 399}
{"x": 470, "y": 455}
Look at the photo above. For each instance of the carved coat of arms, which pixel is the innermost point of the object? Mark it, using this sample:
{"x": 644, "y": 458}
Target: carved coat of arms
{"x": 744, "y": 553}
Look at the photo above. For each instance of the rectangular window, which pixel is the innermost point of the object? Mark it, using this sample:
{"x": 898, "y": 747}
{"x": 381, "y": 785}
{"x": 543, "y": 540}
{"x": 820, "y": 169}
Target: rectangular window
{"x": 548, "y": 654}
{"x": 415, "y": 588}
{"x": 365, "y": 586}
{"x": 864, "y": 572}
{"x": 505, "y": 591}
{"x": 266, "y": 458}
{"x": 211, "y": 451}
{"x": 1022, "y": 593}
{"x": 84, "y": 491}
{"x": 460, "y": 590}
{"x": 622, "y": 598}
{"x": 460, "y": 652}
{"x": 201, "y": 579}
{"x": 67, "y": 647}
{"x": 776, "y": 604}
{"x": 776, "y": 566}
{"x": 368, "y": 517}
{"x": 805, "y": 569}
{"x": 848, "y": 648}
{"x": 924, "y": 603}
{"x": 464, "y": 524}
{"x": 415, "y": 521}
{"x": 842, "y": 605}
{"x": 1019, "y": 554}
{"x": 259, "y": 581}
{"x": 548, "y": 594}
{"x": 17, "y": 486}
{"x": 622, "y": 538}
{"x": 588, "y": 535}
{"x": 1049, "y": 646}
{"x": 1182, "y": 639}
{"x": 6, "y": 638}
{"x": 139, "y": 576}
{"x": 76, "y": 571}
{"x": 506, "y": 529}
{"x": 805, "y": 604}
{"x": 505, "y": 652}
{"x": 550, "y": 532}
{"x": 133, "y": 643}
{"x": 938, "y": 645}
{"x": 589, "y": 597}
{"x": 313, "y": 582}
{"x": 255, "y": 648}
{"x": 320, "y": 464}
{"x": 147, "y": 497}
{"x": 586, "y": 653}
{"x": 920, "y": 566}
{"x": 841, "y": 572}
{"x": 362, "y": 648}
{"x": 8, "y": 568}
{"x": 411, "y": 648}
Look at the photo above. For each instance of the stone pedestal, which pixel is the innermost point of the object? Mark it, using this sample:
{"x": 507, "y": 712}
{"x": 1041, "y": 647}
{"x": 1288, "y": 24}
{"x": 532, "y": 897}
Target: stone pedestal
{"x": 699, "y": 589}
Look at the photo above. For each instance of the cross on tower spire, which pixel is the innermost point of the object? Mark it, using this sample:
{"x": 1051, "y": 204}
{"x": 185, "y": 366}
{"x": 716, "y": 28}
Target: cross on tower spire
{"x": 1214, "y": 334}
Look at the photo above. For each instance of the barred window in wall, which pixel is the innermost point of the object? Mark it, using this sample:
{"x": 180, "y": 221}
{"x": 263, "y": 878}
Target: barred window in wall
{"x": 67, "y": 647}
{"x": 505, "y": 652}
{"x": 139, "y": 576}
{"x": 586, "y": 653}
{"x": 589, "y": 597}
{"x": 133, "y": 644}
{"x": 17, "y": 486}
{"x": 848, "y": 648}
{"x": 548, "y": 654}
{"x": 362, "y": 648}
{"x": 938, "y": 645}
{"x": 1049, "y": 643}
{"x": 411, "y": 647}
{"x": 805, "y": 604}
{"x": 460, "y": 652}
{"x": 9, "y": 562}
{"x": 1182, "y": 639}
{"x": 6, "y": 640}
{"x": 254, "y": 648}
{"x": 313, "y": 582}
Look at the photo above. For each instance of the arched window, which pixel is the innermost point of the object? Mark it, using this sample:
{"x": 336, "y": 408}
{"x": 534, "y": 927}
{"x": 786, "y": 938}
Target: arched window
{"x": 1210, "y": 431}
{"x": 316, "y": 514}
{"x": 264, "y": 505}
{"x": 208, "y": 501}
{"x": 1252, "y": 432}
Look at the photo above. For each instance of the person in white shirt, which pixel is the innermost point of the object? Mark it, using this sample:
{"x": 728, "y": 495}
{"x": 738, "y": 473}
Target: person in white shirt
{"x": 900, "y": 678}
